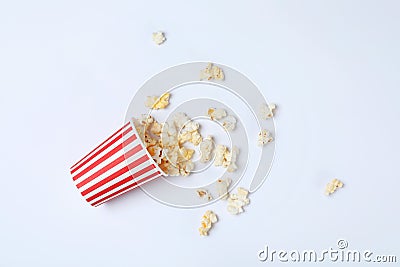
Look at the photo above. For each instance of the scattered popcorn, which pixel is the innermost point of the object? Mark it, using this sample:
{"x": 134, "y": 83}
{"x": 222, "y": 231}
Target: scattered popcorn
{"x": 212, "y": 72}
{"x": 206, "y": 148}
{"x": 208, "y": 219}
{"x": 222, "y": 187}
{"x": 157, "y": 102}
{"x": 216, "y": 113}
{"x": 229, "y": 123}
{"x": 236, "y": 202}
{"x": 204, "y": 194}
{"x": 333, "y": 186}
{"x": 159, "y": 38}
{"x": 267, "y": 111}
{"x": 264, "y": 137}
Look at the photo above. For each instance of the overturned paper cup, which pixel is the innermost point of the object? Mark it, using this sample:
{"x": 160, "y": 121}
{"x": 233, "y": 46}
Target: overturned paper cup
{"x": 119, "y": 164}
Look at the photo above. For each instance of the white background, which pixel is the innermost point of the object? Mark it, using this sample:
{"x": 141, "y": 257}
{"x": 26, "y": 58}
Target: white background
{"x": 68, "y": 70}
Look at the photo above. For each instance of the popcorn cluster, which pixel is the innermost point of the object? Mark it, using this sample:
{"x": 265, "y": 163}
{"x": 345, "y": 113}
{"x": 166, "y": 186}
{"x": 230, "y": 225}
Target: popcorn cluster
{"x": 212, "y": 72}
{"x": 165, "y": 142}
{"x": 226, "y": 158}
{"x": 219, "y": 114}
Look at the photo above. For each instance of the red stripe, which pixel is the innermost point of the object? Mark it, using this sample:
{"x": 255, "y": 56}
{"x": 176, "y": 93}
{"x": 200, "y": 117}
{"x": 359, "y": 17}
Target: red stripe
{"x": 111, "y": 165}
{"x": 115, "y": 175}
{"x": 105, "y": 157}
{"x": 100, "y": 145}
{"x": 132, "y": 186}
{"x": 102, "y": 149}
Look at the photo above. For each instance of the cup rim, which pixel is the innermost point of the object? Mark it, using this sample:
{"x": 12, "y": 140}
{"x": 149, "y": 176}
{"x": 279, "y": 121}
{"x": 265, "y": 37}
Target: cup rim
{"x": 145, "y": 149}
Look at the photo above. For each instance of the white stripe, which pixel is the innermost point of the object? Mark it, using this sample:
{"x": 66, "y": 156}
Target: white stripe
{"x": 108, "y": 160}
{"x": 121, "y": 177}
{"x": 125, "y": 185}
{"x": 87, "y": 164}
{"x": 119, "y": 142}
{"x": 100, "y": 147}
{"x": 111, "y": 171}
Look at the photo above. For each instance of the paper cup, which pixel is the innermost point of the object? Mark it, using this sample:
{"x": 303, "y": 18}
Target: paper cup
{"x": 119, "y": 164}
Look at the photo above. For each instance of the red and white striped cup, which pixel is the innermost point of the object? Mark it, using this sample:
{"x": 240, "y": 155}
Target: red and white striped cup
{"x": 119, "y": 164}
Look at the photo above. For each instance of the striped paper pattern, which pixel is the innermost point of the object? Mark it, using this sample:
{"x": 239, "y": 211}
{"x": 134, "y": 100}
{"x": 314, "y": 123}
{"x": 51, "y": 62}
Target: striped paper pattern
{"x": 119, "y": 164}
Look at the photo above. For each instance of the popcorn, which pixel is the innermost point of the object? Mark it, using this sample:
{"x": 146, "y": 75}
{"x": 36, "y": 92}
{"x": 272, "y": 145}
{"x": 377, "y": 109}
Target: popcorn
{"x": 333, "y": 186}
{"x": 206, "y": 148}
{"x": 185, "y": 167}
{"x": 157, "y": 102}
{"x": 159, "y": 37}
{"x": 156, "y": 153}
{"x": 229, "y": 123}
{"x": 222, "y": 187}
{"x": 208, "y": 219}
{"x": 236, "y": 202}
{"x": 212, "y": 72}
{"x": 204, "y": 194}
{"x": 226, "y": 158}
{"x": 217, "y": 73}
{"x": 220, "y": 151}
{"x": 186, "y": 153}
{"x": 165, "y": 145}
{"x": 216, "y": 114}
{"x": 230, "y": 160}
{"x": 264, "y": 137}
{"x": 180, "y": 119}
{"x": 188, "y": 129}
{"x": 267, "y": 111}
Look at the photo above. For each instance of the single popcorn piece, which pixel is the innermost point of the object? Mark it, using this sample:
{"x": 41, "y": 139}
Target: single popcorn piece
{"x": 216, "y": 113}
{"x": 209, "y": 218}
{"x": 231, "y": 159}
{"x": 333, "y": 186}
{"x": 196, "y": 138}
{"x": 204, "y": 194}
{"x": 207, "y": 73}
{"x": 212, "y": 72}
{"x": 158, "y": 102}
{"x": 220, "y": 151}
{"x": 186, "y": 153}
{"x": 217, "y": 73}
{"x": 159, "y": 37}
{"x": 267, "y": 111}
{"x": 222, "y": 187}
{"x": 236, "y": 202}
{"x": 180, "y": 119}
{"x": 264, "y": 137}
{"x": 206, "y": 148}
{"x": 229, "y": 123}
